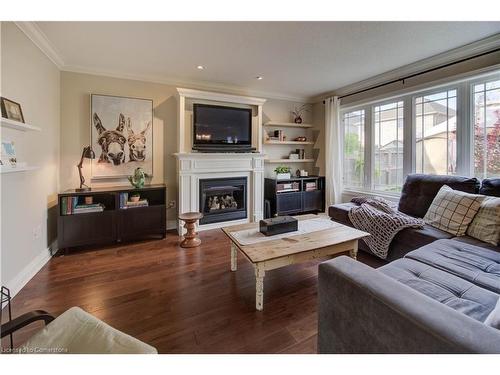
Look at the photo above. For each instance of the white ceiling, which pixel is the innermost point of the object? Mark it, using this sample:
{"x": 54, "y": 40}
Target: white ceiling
{"x": 296, "y": 59}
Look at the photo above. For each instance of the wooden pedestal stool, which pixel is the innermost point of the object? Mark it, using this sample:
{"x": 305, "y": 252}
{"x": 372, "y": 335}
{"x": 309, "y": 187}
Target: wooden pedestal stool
{"x": 190, "y": 238}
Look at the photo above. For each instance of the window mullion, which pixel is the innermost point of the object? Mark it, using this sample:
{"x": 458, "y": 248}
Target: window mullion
{"x": 369, "y": 138}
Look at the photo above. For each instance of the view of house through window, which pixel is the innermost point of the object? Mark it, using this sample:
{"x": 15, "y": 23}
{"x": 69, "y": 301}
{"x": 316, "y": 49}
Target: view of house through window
{"x": 354, "y": 148}
{"x": 388, "y": 147}
{"x": 436, "y": 133}
{"x": 487, "y": 129}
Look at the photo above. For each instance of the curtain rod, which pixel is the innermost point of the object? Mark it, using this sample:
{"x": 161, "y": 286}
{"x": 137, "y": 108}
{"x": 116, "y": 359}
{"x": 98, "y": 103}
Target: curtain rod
{"x": 419, "y": 73}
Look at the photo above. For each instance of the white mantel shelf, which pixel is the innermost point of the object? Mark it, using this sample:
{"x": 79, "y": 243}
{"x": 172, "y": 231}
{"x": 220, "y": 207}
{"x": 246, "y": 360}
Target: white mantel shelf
{"x": 18, "y": 125}
{"x": 275, "y": 124}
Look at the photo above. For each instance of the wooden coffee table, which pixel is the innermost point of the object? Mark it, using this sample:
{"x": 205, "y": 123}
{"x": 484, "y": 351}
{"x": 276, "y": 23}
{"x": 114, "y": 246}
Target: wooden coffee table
{"x": 279, "y": 252}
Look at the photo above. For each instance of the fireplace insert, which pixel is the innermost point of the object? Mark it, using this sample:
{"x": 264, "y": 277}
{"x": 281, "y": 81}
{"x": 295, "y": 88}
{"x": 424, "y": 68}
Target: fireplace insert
{"x": 223, "y": 199}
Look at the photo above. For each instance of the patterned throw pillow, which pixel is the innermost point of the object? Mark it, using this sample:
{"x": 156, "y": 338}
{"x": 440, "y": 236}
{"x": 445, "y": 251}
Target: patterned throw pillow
{"x": 453, "y": 210}
{"x": 486, "y": 223}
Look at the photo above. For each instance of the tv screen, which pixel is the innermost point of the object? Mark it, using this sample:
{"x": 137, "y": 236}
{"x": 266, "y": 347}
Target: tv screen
{"x": 223, "y": 126}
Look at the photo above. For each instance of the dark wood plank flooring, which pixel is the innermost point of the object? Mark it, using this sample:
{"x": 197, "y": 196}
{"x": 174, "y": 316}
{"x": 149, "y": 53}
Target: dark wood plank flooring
{"x": 181, "y": 300}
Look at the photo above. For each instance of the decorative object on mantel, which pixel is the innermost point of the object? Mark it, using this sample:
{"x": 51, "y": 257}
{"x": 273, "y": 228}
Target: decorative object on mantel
{"x": 11, "y": 110}
{"x": 122, "y": 128}
{"x": 282, "y": 172}
{"x": 190, "y": 238}
{"x": 87, "y": 153}
{"x": 138, "y": 178}
{"x": 298, "y": 112}
{"x": 8, "y": 154}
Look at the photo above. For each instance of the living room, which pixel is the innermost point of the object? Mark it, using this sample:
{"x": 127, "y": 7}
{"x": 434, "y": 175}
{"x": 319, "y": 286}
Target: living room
{"x": 208, "y": 187}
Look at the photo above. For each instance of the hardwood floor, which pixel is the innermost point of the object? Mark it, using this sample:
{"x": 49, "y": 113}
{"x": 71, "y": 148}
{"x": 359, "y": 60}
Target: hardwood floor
{"x": 181, "y": 300}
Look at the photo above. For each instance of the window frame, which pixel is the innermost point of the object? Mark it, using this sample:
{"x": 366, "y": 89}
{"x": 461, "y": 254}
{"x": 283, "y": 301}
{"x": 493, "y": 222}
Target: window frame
{"x": 464, "y": 128}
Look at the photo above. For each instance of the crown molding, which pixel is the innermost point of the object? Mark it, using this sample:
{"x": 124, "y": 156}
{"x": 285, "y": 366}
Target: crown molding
{"x": 219, "y": 97}
{"x": 36, "y": 35}
{"x": 39, "y": 39}
{"x": 468, "y": 50}
{"x": 196, "y": 85}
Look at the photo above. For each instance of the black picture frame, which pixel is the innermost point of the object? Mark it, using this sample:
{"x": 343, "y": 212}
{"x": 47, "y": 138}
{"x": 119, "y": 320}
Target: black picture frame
{"x": 5, "y": 113}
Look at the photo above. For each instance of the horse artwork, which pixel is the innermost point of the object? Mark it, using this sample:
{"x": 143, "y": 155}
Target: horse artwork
{"x": 122, "y": 136}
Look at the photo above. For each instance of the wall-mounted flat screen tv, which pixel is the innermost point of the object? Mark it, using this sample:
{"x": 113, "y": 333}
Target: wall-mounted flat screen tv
{"x": 219, "y": 128}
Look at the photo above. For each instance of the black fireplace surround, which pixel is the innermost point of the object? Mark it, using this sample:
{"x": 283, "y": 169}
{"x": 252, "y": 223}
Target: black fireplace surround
{"x": 223, "y": 199}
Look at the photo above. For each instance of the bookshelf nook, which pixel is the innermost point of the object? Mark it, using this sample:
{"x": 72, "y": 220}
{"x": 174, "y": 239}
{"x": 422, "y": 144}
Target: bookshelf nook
{"x": 113, "y": 214}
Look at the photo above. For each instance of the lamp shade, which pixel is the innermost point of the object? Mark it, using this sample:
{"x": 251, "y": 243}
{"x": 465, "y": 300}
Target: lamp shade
{"x": 88, "y": 153}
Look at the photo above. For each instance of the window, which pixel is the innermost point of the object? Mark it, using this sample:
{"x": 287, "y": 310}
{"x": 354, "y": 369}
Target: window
{"x": 354, "y": 149}
{"x": 436, "y": 133}
{"x": 486, "y": 114}
{"x": 453, "y": 129}
{"x": 388, "y": 147}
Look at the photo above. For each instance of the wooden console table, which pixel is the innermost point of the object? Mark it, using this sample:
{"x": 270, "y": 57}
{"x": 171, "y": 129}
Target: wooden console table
{"x": 114, "y": 223}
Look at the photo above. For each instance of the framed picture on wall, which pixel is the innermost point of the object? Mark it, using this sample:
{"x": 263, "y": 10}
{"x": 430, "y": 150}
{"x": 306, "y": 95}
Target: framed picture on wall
{"x": 11, "y": 110}
{"x": 121, "y": 135}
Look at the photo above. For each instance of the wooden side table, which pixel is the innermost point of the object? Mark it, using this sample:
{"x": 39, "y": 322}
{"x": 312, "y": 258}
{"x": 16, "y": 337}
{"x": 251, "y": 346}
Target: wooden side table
{"x": 190, "y": 238}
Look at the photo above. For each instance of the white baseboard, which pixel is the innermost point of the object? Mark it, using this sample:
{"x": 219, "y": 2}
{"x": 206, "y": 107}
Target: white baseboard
{"x": 171, "y": 224}
{"x": 18, "y": 282}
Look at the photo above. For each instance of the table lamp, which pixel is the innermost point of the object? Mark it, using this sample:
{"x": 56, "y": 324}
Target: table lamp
{"x": 87, "y": 153}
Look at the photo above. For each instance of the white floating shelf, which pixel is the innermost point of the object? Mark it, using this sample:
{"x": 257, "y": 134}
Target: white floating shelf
{"x": 288, "y": 142}
{"x": 289, "y": 161}
{"x": 18, "y": 125}
{"x": 19, "y": 168}
{"x": 288, "y": 125}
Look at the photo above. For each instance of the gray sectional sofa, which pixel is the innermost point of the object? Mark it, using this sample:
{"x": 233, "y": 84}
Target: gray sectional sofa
{"x": 432, "y": 298}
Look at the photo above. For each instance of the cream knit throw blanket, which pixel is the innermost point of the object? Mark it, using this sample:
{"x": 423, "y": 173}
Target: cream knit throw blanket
{"x": 382, "y": 220}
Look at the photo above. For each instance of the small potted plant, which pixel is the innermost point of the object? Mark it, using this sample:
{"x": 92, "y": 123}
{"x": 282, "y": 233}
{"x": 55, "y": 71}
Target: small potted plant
{"x": 282, "y": 173}
{"x": 135, "y": 197}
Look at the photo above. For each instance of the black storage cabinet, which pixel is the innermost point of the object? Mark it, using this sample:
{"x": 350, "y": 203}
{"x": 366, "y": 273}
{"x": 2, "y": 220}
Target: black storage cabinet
{"x": 113, "y": 224}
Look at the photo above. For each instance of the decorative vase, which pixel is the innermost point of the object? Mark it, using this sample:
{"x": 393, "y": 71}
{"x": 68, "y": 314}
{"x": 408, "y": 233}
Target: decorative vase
{"x": 298, "y": 120}
{"x": 138, "y": 179}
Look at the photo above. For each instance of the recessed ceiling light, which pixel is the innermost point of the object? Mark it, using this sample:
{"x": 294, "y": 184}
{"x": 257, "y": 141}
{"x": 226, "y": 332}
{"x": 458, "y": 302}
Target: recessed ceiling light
{"x": 200, "y": 67}
{"x": 259, "y": 78}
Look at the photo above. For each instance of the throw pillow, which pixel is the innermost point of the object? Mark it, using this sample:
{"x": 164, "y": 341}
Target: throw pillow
{"x": 452, "y": 211}
{"x": 493, "y": 320}
{"x": 486, "y": 223}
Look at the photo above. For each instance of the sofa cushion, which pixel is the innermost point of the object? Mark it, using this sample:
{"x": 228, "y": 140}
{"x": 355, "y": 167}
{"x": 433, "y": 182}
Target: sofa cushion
{"x": 453, "y": 210}
{"x": 493, "y": 320}
{"x": 476, "y": 242}
{"x": 414, "y": 238}
{"x": 420, "y": 189}
{"x": 486, "y": 223}
{"x": 490, "y": 186}
{"x": 339, "y": 212}
{"x": 452, "y": 291}
{"x": 477, "y": 265}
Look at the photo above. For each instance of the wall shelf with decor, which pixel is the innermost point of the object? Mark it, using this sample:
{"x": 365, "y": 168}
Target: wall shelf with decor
{"x": 19, "y": 168}
{"x": 288, "y": 161}
{"x": 275, "y": 124}
{"x": 17, "y": 125}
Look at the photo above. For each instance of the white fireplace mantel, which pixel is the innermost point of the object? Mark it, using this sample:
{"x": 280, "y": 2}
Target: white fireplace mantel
{"x": 192, "y": 167}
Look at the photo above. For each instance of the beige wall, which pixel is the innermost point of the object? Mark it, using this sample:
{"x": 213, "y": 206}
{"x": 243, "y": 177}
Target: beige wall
{"x": 28, "y": 198}
{"x": 75, "y": 126}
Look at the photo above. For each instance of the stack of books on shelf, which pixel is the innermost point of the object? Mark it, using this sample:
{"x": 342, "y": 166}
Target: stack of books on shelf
{"x": 287, "y": 187}
{"x": 126, "y": 203}
{"x": 277, "y": 136}
{"x": 311, "y": 186}
{"x": 86, "y": 208}
{"x": 70, "y": 206}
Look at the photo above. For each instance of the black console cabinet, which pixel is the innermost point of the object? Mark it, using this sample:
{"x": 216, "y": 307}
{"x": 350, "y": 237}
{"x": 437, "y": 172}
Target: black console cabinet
{"x": 295, "y": 202}
{"x": 114, "y": 224}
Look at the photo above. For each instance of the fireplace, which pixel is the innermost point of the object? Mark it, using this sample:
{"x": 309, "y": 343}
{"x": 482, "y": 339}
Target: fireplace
{"x": 223, "y": 199}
